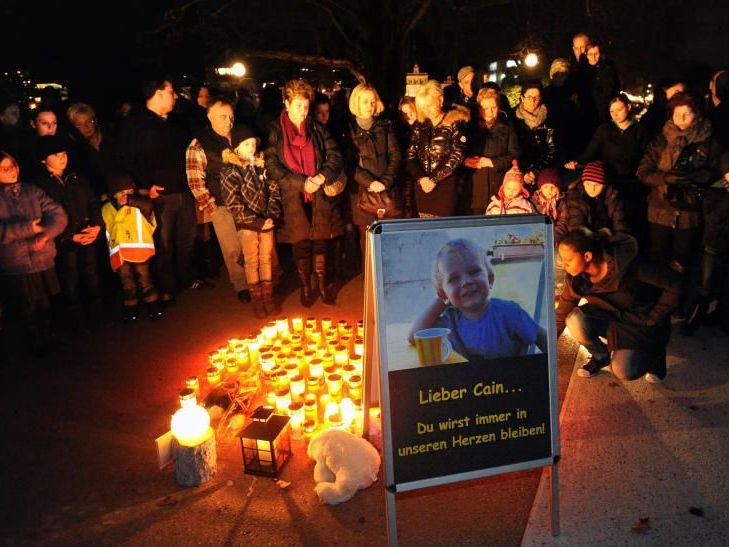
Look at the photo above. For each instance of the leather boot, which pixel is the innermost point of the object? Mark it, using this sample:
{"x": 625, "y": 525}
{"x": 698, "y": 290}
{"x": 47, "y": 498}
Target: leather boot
{"x": 711, "y": 263}
{"x": 320, "y": 268}
{"x": 269, "y": 301}
{"x": 259, "y": 310}
{"x": 303, "y": 267}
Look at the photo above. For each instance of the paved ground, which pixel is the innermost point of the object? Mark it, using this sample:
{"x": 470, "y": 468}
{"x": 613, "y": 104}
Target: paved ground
{"x": 79, "y": 464}
{"x": 640, "y": 451}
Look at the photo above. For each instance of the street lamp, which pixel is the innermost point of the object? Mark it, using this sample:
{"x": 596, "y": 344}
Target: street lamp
{"x": 531, "y": 60}
{"x": 238, "y": 70}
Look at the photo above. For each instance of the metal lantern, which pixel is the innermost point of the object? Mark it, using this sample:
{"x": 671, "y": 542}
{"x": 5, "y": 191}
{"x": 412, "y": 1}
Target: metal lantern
{"x": 266, "y": 443}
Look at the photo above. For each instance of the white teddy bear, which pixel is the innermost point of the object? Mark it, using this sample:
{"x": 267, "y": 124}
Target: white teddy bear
{"x": 345, "y": 463}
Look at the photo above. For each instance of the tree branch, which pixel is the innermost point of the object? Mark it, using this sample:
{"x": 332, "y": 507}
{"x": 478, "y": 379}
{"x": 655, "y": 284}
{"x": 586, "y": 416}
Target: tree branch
{"x": 306, "y": 59}
{"x": 417, "y": 16}
{"x": 337, "y": 25}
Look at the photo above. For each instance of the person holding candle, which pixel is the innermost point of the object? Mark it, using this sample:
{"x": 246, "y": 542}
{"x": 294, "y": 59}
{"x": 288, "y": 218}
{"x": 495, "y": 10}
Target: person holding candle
{"x": 254, "y": 201}
{"x": 303, "y": 158}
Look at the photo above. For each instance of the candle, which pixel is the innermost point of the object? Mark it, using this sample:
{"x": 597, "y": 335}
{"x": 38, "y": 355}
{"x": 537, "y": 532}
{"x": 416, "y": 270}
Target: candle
{"x": 187, "y": 397}
{"x": 298, "y": 386}
{"x": 292, "y": 369}
{"x": 313, "y": 384}
{"x": 360, "y": 328}
{"x": 190, "y": 425}
{"x": 356, "y": 360}
{"x": 327, "y": 359}
{"x": 270, "y": 332}
{"x": 235, "y": 344}
{"x": 193, "y": 384}
{"x": 331, "y": 334}
{"x": 334, "y": 385}
{"x": 311, "y": 322}
{"x": 310, "y": 407}
{"x": 348, "y": 371}
{"x": 281, "y": 379}
{"x": 346, "y": 409}
{"x": 297, "y": 324}
{"x": 213, "y": 375}
{"x": 316, "y": 368}
{"x": 341, "y": 356}
{"x": 283, "y": 400}
{"x": 267, "y": 361}
{"x": 270, "y": 398}
{"x": 331, "y": 346}
{"x": 347, "y": 330}
{"x": 309, "y": 428}
{"x": 296, "y": 411}
{"x": 359, "y": 345}
{"x": 326, "y": 323}
{"x": 333, "y": 417}
{"x": 354, "y": 389}
{"x": 312, "y": 345}
{"x": 340, "y": 326}
{"x": 231, "y": 365}
{"x": 295, "y": 339}
{"x": 215, "y": 360}
{"x": 282, "y": 327}
{"x": 324, "y": 400}
{"x": 282, "y": 359}
{"x": 345, "y": 340}
{"x": 315, "y": 336}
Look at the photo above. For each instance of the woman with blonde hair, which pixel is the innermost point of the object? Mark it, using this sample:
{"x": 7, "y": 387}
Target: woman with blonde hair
{"x": 436, "y": 150}
{"x": 304, "y": 159}
{"x": 375, "y": 154}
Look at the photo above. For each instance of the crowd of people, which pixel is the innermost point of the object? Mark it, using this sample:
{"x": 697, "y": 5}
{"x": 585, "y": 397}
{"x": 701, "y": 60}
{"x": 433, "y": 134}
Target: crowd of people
{"x": 639, "y": 206}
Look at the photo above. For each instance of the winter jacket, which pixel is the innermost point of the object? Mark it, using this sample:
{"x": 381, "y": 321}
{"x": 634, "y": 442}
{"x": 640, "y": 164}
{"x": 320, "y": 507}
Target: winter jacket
{"x": 79, "y": 202}
{"x": 238, "y": 182}
{"x": 537, "y": 146}
{"x": 636, "y": 296}
{"x": 558, "y": 216}
{"x": 322, "y": 218}
{"x": 376, "y": 156}
{"x": 501, "y": 145}
{"x": 604, "y": 85}
{"x": 437, "y": 152}
{"x": 697, "y": 161}
{"x": 604, "y": 211}
{"x": 152, "y": 149}
{"x": 621, "y": 150}
{"x": 520, "y": 205}
{"x": 20, "y": 205}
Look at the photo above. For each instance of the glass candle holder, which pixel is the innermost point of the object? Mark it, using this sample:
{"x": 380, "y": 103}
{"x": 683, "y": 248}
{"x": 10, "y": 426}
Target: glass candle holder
{"x": 315, "y": 336}
{"x": 331, "y": 334}
{"x": 296, "y": 412}
{"x": 310, "y": 407}
{"x": 216, "y": 360}
{"x": 194, "y": 384}
{"x": 326, "y": 323}
{"x": 333, "y": 418}
{"x": 311, "y": 345}
{"x": 359, "y": 345}
{"x": 270, "y": 333}
{"x": 316, "y": 368}
{"x": 313, "y": 384}
{"x": 310, "y": 322}
{"x": 283, "y": 400}
{"x": 298, "y": 386}
{"x": 322, "y": 402}
{"x": 354, "y": 389}
{"x": 346, "y": 341}
{"x": 334, "y": 385}
{"x": 187, "y": 397}
{"x": 282, "y": 326}
{"x": 355, "y": 359}
{"x": 297, "y": 324}
{"x": 292, "y": 369}
{"x": 213, "y": 375}
{"x": 271, "y": 398}
{"x": 295, "y": 339}
{"x": 332, "y": 345}
{"x": 281, "y": 379}
{"x": 267, "y": 361}
{"x": 360, "y": 328}
{"x": 347, "y": 330}
{"x": 327, "y": 359}
{"x": 309, "y": 428}
{"x": 231, "y": 365}
{"x": 341, "y": 356}
{"x": 348, "y": 371}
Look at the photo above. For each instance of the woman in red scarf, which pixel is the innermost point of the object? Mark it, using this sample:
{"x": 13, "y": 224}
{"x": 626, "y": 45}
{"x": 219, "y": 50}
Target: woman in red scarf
{"x": 304, "y": 159}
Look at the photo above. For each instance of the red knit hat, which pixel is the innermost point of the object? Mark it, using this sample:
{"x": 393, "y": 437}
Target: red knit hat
{"x": 513, "y": 174}
{"x": 595, "y": 172}
{"x": 550, "y": 175}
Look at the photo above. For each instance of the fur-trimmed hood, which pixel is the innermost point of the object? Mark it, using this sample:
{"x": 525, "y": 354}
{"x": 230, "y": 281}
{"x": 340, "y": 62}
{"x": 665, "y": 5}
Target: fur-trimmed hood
{"x": 457, "y": 114}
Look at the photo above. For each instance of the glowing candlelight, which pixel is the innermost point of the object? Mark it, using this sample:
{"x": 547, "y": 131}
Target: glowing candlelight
{"x": 310, "y": 407}
{"x": 193, "y": 384}
{"x": 298, "y": 386}
{"x": 313, "y": 384}
{"x": 283, "y": 399}
{"x": 348, "y": 371}
{"x": 316, "y": 368}
{"x": 296, "y": 411}
{"x": 334, "y": 385}
{"x": 326, "y": 323}
{"x": 190, "y": 425}
{"x": 267, "y": 361}
{"x": 354, "y": 389}
{"x": 186, "y": 397}
{"x": 282, "y": 326}
{"x": 315, "y": 336}
{"x": 341, "y": 356}
{"x": 356, "y": 360}
{"x": 340, "y": 326}
{"x": 213, "y": 375}
{"x": 231, "y": 365}
{"x": 359, "y": 345}
{"x": 297, "y": 325}
{"x": 360, "y": 328}
{"x": 292, "y": 369}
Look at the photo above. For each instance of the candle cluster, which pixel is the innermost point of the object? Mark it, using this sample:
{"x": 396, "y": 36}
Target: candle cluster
{"x": 309, "y": 370}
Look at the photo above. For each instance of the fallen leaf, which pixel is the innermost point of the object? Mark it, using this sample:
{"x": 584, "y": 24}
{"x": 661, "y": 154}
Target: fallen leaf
{"x": 283, "y": 485}
{"x": 167, "y": 500}
{"x": 698, "y": 511}
{"x": 643, "y": 526}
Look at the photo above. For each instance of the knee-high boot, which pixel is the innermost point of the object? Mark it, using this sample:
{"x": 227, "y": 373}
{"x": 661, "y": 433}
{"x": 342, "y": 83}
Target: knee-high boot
{"x": 259, "y": 309}
{"x": 320, "y": 268}
{"x": 711, "y": 264}
{"x": 303, "y": 267}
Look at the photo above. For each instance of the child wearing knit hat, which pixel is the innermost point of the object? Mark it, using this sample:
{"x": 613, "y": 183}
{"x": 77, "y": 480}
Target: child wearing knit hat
{"x": 548, "y": 200}
{"x": 512, "y": 198}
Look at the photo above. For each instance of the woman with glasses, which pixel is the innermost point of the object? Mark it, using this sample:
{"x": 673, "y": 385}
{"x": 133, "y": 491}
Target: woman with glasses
{"x": 537, "y": 144}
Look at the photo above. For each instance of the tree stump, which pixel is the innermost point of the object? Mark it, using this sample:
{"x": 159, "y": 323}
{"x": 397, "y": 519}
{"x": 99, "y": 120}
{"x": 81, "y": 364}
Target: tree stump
{"x": 196, "y": 465}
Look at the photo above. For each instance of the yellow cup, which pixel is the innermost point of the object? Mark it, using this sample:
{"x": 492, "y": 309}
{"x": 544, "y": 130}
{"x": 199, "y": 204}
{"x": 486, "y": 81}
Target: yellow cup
{"x": 433, "y": 346}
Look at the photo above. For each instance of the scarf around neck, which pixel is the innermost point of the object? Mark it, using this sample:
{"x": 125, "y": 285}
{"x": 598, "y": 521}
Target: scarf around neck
{"x": 298, "y": 147}
{"x": 677, "y": 140}
{"x": 532, "y": 119}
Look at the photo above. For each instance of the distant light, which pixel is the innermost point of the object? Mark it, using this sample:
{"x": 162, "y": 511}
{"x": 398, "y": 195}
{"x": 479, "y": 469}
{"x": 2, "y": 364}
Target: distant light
{"x": 493, "y": 66}
{"x": 511, "y": 63}
{"x": 238, "y": 70}
{"x": 531, "y": 60}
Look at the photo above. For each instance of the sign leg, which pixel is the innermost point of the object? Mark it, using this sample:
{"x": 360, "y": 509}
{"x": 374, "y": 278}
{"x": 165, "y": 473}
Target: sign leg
{"x": 554, "y": 477}
{"x": 391, "y": 518}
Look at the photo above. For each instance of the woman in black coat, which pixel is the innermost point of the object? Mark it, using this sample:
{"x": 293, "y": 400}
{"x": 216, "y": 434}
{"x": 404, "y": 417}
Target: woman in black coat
{"x": 375, "y": 158}
{"x": 493, "y": 148}
{"x": 304, "y": 159}
{"x": 629, "y": 303}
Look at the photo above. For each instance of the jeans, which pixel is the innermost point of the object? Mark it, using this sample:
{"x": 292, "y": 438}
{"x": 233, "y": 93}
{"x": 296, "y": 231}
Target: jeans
{"x": 230, "y": 245}
{"x": 257, "y": 251}
{"x": 130, "y": 285}
{"x": 174, "y": 240}
{"x": 626, "y": 364}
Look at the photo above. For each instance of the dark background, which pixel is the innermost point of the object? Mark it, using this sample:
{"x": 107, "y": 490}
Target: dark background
{"x": 102, "y": 49}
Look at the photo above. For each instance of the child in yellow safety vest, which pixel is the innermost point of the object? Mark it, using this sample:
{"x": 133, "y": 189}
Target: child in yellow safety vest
{"x": 130, "y": 225}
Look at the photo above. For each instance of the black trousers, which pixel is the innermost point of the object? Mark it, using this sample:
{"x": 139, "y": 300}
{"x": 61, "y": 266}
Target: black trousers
{"x": 78, "y": 274}
{"x": 174, "y": 241}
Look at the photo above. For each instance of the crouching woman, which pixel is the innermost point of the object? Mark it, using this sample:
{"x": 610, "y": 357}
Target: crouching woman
{"x": 629, "y": 303}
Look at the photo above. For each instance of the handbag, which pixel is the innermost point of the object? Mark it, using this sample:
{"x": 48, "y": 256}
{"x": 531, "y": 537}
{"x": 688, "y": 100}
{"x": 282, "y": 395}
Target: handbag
{"x": 385, "y": 204}
{"x": 685, "y": 197}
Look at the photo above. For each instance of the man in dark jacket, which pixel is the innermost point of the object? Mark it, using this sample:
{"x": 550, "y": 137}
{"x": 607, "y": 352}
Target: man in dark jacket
{"x": 152, "y": 148}
{"x": 76, "y": 263}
